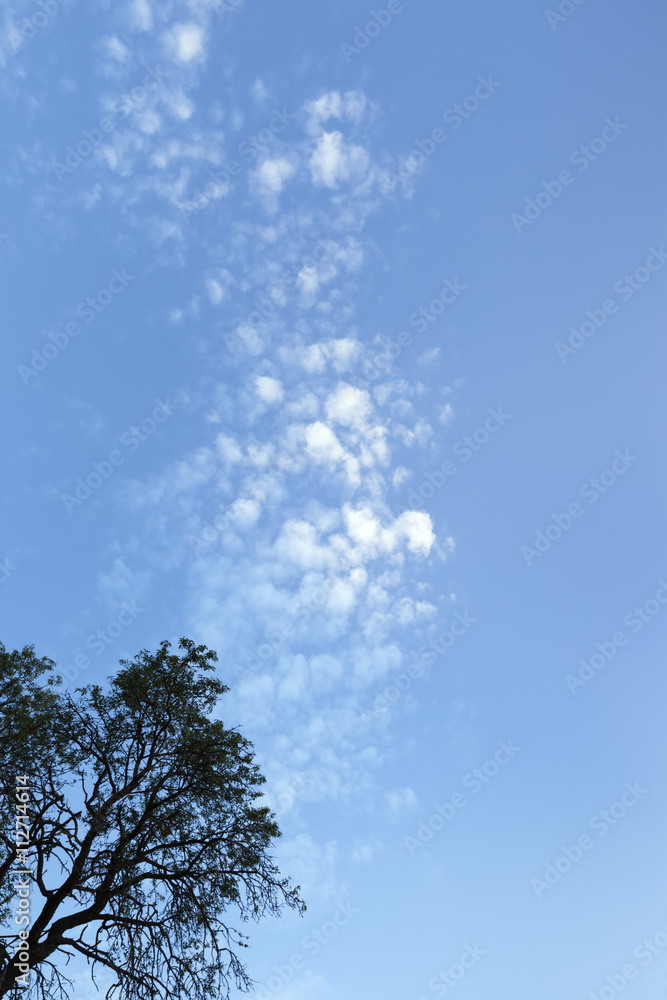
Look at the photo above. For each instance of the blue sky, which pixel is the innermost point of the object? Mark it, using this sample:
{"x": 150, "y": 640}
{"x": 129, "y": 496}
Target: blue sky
{"x": 263, "y": 275}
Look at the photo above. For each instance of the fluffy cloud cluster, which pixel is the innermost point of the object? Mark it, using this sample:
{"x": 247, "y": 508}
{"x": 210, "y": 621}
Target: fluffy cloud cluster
{"x": 277, "y": 521}
{"x": 363, "y": 538}
{"x": 334, "y": 161}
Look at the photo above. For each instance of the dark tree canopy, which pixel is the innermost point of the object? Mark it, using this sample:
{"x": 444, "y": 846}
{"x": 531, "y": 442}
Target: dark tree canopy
{"x": 143, "y": 828}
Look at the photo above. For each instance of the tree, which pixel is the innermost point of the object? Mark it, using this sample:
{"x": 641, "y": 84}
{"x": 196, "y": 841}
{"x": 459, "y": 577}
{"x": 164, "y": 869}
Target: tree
{"x": 143, "y": 829}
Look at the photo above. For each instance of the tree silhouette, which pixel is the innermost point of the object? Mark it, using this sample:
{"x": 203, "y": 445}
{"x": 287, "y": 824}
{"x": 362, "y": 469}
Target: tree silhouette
{"x": 143, "y": 829}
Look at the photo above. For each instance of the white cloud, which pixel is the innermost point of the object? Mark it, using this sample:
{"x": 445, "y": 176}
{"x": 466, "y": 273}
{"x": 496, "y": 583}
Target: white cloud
{"x": 400, "y": 476}
{"x": 116, "y": 49}
{"x": 298, "y": 543}
{"x": 310, "y": 866}
{"x": 364, "y": 854}
{"x": 185, "y": 42}
{"x": 183, "y": 477}
{"x": 306, "y": 985}
{"x": 288, "y": 480}
{"x": 404, "y": 611}
{"x": 355, "y": 105}
{"x": 352, "y": 106}
{"x": 400, "y": 800}
{"x": 308, "y": 280}
{"x": 245, "y": 513}
{"x": 312, "y": 358}
{"x": 327, "y": 106}
{"x": 272, "y": 174}
{"x": 417, "y": 527}
{"x": 342, "y": 353}
{"x": 349, "y": 406}
{"x": 260, "y": 455}
{"x": 324, "y": 448}
{"x": 294, "y": 686}
{"x": 216, "y": 292}
{"x": 141, "y": 16}
{"x": 270, "y": 390}
{"x": 90, "y": 198}
{"x": 322, "y": 444}
{"x": 333, "y": 161}
{"x": 306, "y": 405}
{"x": 350, "y": 256}
{"x": 428, "y": 357}
{"x": 342, "y": 598}
{"x": 302, "y": 544}
{"x": 366, "y": 531}
{"x": 178, "y": 105}
{"x": 228, "y": 448}
{"x": 418, "y": 435}
{"x": 319, "y": 271}
{"x": 327, "y": 672}
{"x": 259, "y": 92}
{"x": 149, "y": 122}
{"x": 121, "y": 582}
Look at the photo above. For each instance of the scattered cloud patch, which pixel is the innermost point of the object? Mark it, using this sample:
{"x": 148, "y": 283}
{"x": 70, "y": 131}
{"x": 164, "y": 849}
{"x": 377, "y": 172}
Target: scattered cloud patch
{"x": 270, "y": 390}
{"x": 185, "y": 42}
{"x": 140, "y": 15}
{"x": 334, "y": 161}
{"x": 400, "y": 801}
{"x": 272, "y": 174}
